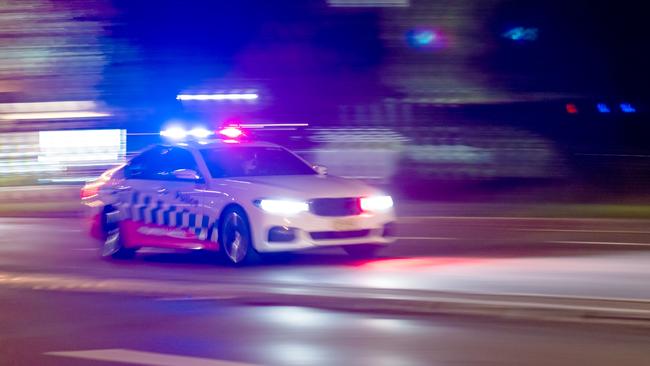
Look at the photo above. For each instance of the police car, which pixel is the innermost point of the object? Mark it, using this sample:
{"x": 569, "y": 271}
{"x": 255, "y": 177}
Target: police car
{"x": 242, "y": 198}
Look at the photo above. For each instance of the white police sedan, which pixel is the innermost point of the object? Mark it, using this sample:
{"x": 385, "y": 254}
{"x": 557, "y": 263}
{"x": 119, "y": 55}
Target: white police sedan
{"x": 239, "y": 197}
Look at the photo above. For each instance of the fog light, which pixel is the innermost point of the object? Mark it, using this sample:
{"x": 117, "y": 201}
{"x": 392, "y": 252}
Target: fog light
{"x": 390, "y": 230}
{"x": 281, "y": 234}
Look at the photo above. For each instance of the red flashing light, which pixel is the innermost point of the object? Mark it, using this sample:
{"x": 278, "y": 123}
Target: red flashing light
{"x": 231, "y": 132}
{"x": 571, "y": 108}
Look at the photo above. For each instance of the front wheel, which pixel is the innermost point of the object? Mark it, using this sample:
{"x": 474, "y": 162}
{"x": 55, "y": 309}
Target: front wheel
{"x": 362, "y": 251}
{"x": 235, "y": 238}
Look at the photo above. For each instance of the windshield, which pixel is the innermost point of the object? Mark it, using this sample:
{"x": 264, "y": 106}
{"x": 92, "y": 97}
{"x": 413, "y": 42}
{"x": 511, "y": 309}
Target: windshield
{"x": 246, "y": 161}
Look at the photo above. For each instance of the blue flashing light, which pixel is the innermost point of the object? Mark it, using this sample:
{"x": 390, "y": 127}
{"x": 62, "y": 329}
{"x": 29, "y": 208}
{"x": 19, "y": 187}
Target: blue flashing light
{"x": 425, "y": 38}
{"x": 522, "y": 34}
{"x": 174, "y": 133}
{"x": 603, "y": 108}
{"x": 627, "y": 108}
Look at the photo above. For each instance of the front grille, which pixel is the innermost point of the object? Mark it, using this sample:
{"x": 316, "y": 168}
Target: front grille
{"x": 335, "y": 206}
{"x": 389, "y": 230}
{"x": 328, "y": 235}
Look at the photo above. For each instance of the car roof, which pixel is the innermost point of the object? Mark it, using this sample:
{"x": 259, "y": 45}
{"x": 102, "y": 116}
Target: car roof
{"x": 200, "y": 145}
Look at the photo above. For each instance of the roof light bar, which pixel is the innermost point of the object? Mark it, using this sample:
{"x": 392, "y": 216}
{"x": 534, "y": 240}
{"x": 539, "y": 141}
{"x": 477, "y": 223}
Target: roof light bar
{"x": 200, "y": 133}
{"x": 179, "y": 133}
{"x": 175, "y": 133}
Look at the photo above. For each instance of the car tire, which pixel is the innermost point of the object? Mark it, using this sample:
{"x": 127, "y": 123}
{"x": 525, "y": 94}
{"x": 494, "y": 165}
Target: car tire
{"x": 235, "y": 239}
{"x": 362, "y": 251}
{"x": 113, "y": 245}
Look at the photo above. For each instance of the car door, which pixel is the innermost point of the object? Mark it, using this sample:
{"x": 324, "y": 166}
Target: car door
{"x": 166, "y": 210}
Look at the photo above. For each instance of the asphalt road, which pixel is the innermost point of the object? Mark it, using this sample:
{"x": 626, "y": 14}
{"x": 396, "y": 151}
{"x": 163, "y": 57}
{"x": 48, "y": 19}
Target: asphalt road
{"x": 583, "y": 258}
{"x": 603, "y": 259}
{"x": 54, "y": 328}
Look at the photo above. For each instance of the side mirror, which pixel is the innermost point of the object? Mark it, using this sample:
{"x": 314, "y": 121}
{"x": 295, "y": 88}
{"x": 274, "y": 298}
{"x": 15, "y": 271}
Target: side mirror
{"x": 321, "y": 170}
{"x": 186, "y": 174}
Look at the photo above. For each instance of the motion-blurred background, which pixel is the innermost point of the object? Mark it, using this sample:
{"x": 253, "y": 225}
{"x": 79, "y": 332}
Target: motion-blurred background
{"x": 445, "y": 100}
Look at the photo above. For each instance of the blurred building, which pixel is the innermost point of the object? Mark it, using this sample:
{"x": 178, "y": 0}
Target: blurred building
{"x": 452, "y": 89}
{"x": 52, "y": 57}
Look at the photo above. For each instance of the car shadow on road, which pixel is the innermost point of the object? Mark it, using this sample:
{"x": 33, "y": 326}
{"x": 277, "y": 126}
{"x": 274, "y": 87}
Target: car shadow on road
{"x": 332, "y": 257}
{"x": 328, "y": 258}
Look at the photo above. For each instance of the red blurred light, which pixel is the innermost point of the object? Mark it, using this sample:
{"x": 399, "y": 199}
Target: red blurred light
{"x": 231, "y": 132}
{"x": 410, "y": 264}
{"x": 89, "y": 191}
{"x": 571, "y": 108}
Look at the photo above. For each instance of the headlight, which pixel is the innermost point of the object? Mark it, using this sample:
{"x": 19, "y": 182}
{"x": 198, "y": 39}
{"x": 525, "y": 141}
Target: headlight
{"x": 376, "y": 203}
{"x": 286, "y": 207}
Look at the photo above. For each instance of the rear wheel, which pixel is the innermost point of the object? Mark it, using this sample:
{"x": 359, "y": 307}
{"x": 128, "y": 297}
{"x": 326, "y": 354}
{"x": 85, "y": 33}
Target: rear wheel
{"x": 235, "y": 238}
{"x": 113, "y": 246}
{"x": 362, "y": 251}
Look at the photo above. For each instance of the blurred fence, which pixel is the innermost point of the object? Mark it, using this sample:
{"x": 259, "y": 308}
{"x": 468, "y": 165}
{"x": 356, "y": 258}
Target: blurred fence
{"x": 42, "y": 193}
{"x": 434, "y": 162}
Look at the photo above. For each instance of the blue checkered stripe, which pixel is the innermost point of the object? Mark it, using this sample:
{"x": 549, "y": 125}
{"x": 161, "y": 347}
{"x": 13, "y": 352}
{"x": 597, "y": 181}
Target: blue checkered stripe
{"x": 146, "y": 209}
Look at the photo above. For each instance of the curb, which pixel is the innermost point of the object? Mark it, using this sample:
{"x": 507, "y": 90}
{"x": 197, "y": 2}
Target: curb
{"x": 57, "y": 193}
{"x": 508, "y": 306}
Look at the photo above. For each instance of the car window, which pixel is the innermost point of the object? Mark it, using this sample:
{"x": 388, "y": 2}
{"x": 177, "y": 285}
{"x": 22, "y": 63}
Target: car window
{"x": 141, "y": 166}
{"x": 159, "y": 163}
{"x": 247, "y": 161}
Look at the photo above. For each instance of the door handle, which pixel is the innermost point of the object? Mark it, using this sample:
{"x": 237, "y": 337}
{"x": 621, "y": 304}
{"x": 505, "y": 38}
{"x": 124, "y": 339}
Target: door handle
{"x": 123, "y": 188}
{"x": 162, "y": 190}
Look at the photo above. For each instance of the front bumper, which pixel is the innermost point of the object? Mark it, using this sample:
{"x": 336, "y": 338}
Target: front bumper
{"x": 312, "y": 231}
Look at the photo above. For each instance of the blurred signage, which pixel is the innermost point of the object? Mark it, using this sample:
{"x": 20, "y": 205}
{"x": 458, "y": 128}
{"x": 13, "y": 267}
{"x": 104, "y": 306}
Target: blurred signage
{"x": 57, "y": 155}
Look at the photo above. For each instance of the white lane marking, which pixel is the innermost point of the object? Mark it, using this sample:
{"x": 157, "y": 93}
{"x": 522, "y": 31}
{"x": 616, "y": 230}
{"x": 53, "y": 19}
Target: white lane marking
{"x": 617, "y": 155}
{"x": 415, "y": 238}
{"x": 184, "y": 289}
{"x": 132, "y": 357}
{"x": 519, "y": 218}
{"x": 549, "y": 306}
{"x": 597, "y": 243}
{"x": 584, "y": 231}
{"x": 425, "y": 238}
{"x": 195, "y": 298}
{"x": 547, "y": 297}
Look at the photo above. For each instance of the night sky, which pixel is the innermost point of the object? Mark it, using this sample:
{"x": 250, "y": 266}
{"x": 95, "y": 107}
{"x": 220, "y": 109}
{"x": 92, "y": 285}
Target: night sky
{"x": 305, "y": 53}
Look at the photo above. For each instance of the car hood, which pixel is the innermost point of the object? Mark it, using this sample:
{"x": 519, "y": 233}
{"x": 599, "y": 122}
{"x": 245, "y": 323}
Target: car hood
{"x": 300, "y": 186}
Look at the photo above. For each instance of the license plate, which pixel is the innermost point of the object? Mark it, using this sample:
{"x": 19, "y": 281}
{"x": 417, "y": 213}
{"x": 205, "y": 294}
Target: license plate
{"x": 345, "y": 225}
